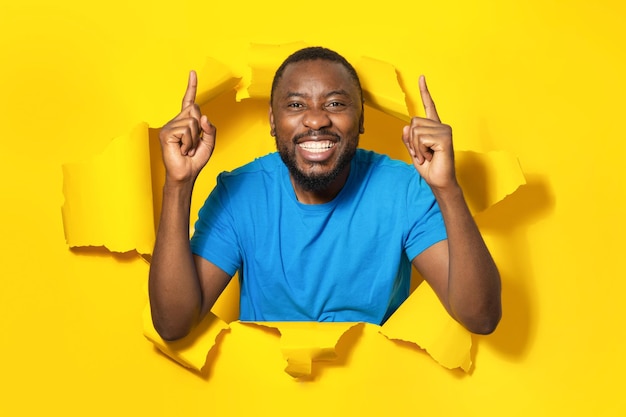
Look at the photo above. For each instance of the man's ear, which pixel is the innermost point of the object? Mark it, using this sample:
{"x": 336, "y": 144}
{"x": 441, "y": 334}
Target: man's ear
{"x": 362, "y": 120}
{"x": 272, "y": 124}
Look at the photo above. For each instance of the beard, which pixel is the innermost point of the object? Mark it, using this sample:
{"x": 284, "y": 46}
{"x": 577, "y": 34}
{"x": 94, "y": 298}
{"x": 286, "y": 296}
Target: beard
{"x": 312, "y": 181}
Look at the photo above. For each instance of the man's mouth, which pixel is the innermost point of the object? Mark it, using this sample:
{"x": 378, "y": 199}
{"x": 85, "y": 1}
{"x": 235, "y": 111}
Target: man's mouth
{"x": 315, "y": 146}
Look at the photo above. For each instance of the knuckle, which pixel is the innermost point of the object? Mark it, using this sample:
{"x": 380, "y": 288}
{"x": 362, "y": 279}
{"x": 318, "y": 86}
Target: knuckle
{"x": 194, "y": 110}
{"x": 191, "y": 124}
{"x": 187, "y": 133}
{"x": 165, "y": 133}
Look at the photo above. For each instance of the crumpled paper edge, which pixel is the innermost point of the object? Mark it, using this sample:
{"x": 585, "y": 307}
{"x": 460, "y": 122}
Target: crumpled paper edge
{"x": 303, "y": 343}
{"x": 192, "y": 350}
{"x": 447, "y": 341}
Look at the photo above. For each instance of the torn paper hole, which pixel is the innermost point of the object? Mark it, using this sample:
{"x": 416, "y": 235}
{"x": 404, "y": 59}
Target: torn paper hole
{"x": 118, "y": 182}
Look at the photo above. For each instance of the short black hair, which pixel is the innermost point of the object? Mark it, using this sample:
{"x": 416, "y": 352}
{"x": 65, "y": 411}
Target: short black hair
{"x": 313, "y": 53}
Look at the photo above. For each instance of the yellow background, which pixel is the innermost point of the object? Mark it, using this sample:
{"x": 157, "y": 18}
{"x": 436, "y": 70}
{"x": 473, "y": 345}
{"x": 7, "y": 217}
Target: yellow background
{"x": 542, "y": 79}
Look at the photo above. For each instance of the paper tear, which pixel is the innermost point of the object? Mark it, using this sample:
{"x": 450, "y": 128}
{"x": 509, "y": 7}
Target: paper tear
{"x": 192, "y": 350}
{"x": 381, "y": 90}
{"x": 487, "y": 178}
{"x": 214, "y": 78}
{"x": 263, "y": 60}
{"x": 423, "y": 320}
{"x": 108, "y": 200}
{"x": 379, "y": 80}
{"x": 303, "y": 343}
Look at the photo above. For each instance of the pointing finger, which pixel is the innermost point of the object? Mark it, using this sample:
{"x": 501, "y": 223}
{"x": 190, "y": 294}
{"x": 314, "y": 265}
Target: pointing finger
{"x": 190, "y": 94}
{"x": 429, "y": 104}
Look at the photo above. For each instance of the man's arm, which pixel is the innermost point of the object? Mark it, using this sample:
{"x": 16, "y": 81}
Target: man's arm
{"x": 460, "y": 269}
{"x": 182, "y": 287}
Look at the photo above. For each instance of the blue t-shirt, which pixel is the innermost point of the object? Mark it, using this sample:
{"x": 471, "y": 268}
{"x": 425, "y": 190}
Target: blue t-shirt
{"x": 346, "y": 260}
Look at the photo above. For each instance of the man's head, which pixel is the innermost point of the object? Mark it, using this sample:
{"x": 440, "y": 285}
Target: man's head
{"x": 316, "y": 116}
{"x": 311, "y": 54}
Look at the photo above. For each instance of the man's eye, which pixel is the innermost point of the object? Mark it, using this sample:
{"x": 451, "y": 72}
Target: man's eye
{"x": 334, "y": 104}
{"x": 294, "y": 105}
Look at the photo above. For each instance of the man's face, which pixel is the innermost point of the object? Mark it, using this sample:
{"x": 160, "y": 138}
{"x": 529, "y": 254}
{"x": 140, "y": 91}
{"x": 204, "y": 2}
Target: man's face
{"x": 316, "y": 116}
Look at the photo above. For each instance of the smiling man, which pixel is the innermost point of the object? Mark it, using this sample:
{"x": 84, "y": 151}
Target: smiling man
{"x": 316, "y": 116}
{"x": 320, "y": 230}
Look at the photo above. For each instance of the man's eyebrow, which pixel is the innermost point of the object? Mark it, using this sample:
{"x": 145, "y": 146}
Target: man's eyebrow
{"x": 291, "y": 94}
{"x": 340, "y": 92}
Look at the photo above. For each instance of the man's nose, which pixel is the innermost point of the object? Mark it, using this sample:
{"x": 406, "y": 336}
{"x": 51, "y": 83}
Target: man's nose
{"x": 316, "y": 119}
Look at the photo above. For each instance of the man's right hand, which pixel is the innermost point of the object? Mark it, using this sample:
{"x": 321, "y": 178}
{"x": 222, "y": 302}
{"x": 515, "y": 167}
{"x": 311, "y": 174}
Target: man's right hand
{"x": 188, "y": 140}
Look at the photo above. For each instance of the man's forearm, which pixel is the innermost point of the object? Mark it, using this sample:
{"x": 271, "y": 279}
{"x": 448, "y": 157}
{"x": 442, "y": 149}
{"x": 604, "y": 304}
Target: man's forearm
{"x": 175, "y": 294}
{"x": 474, "y": 289}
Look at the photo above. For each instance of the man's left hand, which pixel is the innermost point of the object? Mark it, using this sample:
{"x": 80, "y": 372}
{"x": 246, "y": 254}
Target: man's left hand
{"x": 429, "y": 143}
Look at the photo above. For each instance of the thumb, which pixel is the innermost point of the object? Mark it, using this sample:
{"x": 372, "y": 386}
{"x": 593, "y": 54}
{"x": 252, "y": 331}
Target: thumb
{"x": 207, "y": 136}
{"x": 406, "y": 139}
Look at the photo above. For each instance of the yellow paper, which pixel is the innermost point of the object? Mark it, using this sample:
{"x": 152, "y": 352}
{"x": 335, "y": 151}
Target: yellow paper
{"x": 214, "y": 78}
{"x": 381, "y": 90}
{"x": 499, "y": 73}
{"x": 422, "y": 320}
{"x": 263, "y": 62}
{"x": 487, "y": 178}
{"x": 379, "y": 79}
{"x": 303, "y": 343}
{"x": 108, "y": 200}
{"x": 192, "y": 350}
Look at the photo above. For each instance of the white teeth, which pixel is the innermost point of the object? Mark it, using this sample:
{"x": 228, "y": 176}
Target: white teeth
{"x": 314, "y": 146}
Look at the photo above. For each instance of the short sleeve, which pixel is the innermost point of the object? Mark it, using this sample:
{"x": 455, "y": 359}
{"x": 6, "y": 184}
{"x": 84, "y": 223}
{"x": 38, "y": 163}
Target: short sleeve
{"x": 426, "y": 226}
{"x": 215, "y": 237}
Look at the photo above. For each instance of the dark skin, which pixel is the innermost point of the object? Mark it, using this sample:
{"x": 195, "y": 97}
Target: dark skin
{"x": 460, "y": 269}
{"x": 317, "y": 116}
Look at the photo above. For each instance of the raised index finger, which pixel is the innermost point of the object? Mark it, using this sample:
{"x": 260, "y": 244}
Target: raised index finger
{"x": 427, "y": 100}
{"x": 190, "y": 93}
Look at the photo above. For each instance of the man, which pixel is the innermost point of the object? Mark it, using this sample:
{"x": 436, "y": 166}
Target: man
{"x": 321, "y": 230}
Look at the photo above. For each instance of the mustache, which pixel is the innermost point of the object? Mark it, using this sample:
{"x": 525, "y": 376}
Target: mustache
{"x": 310, "y": 132}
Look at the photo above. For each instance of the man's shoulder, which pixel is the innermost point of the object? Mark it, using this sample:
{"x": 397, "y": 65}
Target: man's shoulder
{"x": 376, "y": 162}
{"x": 387, "y": 177}
{"x": 268, "y": 164}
